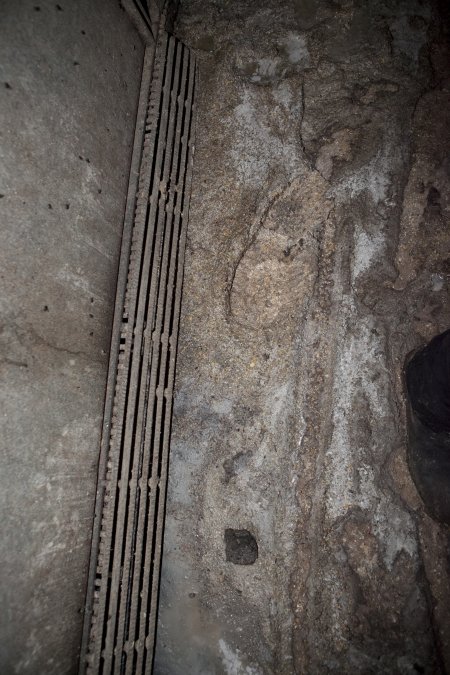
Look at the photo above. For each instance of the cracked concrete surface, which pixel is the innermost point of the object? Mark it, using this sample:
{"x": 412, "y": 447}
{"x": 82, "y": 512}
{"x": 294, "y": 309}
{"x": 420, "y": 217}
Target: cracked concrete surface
{"x": 318, "y": 257}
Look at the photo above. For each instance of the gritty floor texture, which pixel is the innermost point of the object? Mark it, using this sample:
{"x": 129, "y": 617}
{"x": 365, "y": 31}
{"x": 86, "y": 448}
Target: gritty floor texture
{"x": 318, "y": 257}
{"x": 69, "y": 80}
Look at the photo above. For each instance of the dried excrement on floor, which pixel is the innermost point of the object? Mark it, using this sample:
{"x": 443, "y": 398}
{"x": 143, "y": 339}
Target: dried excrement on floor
{"x": 275, "y": 274}
{"x": 317, "y": 259}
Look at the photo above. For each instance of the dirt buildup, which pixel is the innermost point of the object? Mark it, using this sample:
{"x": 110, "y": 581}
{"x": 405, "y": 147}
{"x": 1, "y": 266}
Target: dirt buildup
{"x": 317, "y": 259}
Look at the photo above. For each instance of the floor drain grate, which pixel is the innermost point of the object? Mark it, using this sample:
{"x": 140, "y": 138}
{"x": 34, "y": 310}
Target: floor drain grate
{"x": 125, "y": 566}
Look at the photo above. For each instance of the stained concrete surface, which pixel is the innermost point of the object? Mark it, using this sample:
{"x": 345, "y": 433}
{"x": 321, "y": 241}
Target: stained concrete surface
{"x": 318, "y": 257}
{"x": 70, "y": 74}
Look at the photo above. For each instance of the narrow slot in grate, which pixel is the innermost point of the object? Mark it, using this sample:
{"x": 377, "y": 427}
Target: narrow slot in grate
{"x": 127, "y": 553}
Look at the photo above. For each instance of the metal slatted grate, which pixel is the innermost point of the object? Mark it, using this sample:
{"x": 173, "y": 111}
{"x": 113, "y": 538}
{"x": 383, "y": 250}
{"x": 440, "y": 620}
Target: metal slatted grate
{"x": 128, "y": 551}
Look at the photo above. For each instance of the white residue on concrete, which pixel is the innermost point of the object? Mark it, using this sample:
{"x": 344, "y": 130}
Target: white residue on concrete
{"x": 285, "y": 98}
{"x": 355, "y": 365}
{"x": 352, "y": 481}
{"x": 392, "y": 525}
{"x": 232, "y": 662}
{"x": 296, "y": 49}
{"x": 256, "y": 148}
{"x": 77, "y": 279}
{"x": 437, "y": 282}
{"x": 395, "y": 530}
{"x": 267, "y": 69}
{"x": 283, "y": 94}
{"x": 374, "y": 178}
{"x": 367, "y": 249}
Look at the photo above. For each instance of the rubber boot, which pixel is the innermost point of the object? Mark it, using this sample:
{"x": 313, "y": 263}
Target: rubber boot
{"x": 427, "y": 376}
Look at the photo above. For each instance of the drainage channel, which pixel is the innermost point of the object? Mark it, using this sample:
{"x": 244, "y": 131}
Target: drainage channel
{"x": 122, "y": 598}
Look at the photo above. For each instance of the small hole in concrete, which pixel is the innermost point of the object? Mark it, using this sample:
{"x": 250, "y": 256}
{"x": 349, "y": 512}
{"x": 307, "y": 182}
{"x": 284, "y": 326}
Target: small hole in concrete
{"x": 241, "y": 547}
{"x": 7, "y": 85}
{"x": 59, "y": 8}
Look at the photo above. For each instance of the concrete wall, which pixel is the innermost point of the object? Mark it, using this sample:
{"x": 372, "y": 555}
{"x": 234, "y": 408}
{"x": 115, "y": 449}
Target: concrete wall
{"x": 69, "y": 80}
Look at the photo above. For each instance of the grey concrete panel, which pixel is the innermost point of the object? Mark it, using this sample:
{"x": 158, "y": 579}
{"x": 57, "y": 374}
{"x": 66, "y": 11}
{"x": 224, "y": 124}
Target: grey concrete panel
{"x": 69, "y": 81}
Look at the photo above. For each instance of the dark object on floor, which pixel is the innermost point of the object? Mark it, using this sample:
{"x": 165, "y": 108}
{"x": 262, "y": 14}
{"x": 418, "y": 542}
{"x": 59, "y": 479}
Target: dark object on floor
{"x": 427, "y": 375}
{"x": 240, "y": 547}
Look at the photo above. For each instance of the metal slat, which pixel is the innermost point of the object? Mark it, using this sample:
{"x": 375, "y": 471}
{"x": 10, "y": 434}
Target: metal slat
{"x": 150, "y": 342}
{"x": 115, "y": 339}
{"x": 129, "y": 448}
{"x": 119, "y": 363}
{"x": 159, "y": 353}
{"x": 157, "y": 269}
{"x": 128, "y": 549}
{"x": 111, "y": 524}
{"x": 165, "y": 394}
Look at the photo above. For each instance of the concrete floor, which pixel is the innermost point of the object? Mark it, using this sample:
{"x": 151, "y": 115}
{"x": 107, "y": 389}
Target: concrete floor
{"x": 318, "y": 257}
{"x": 69, "y": 77}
